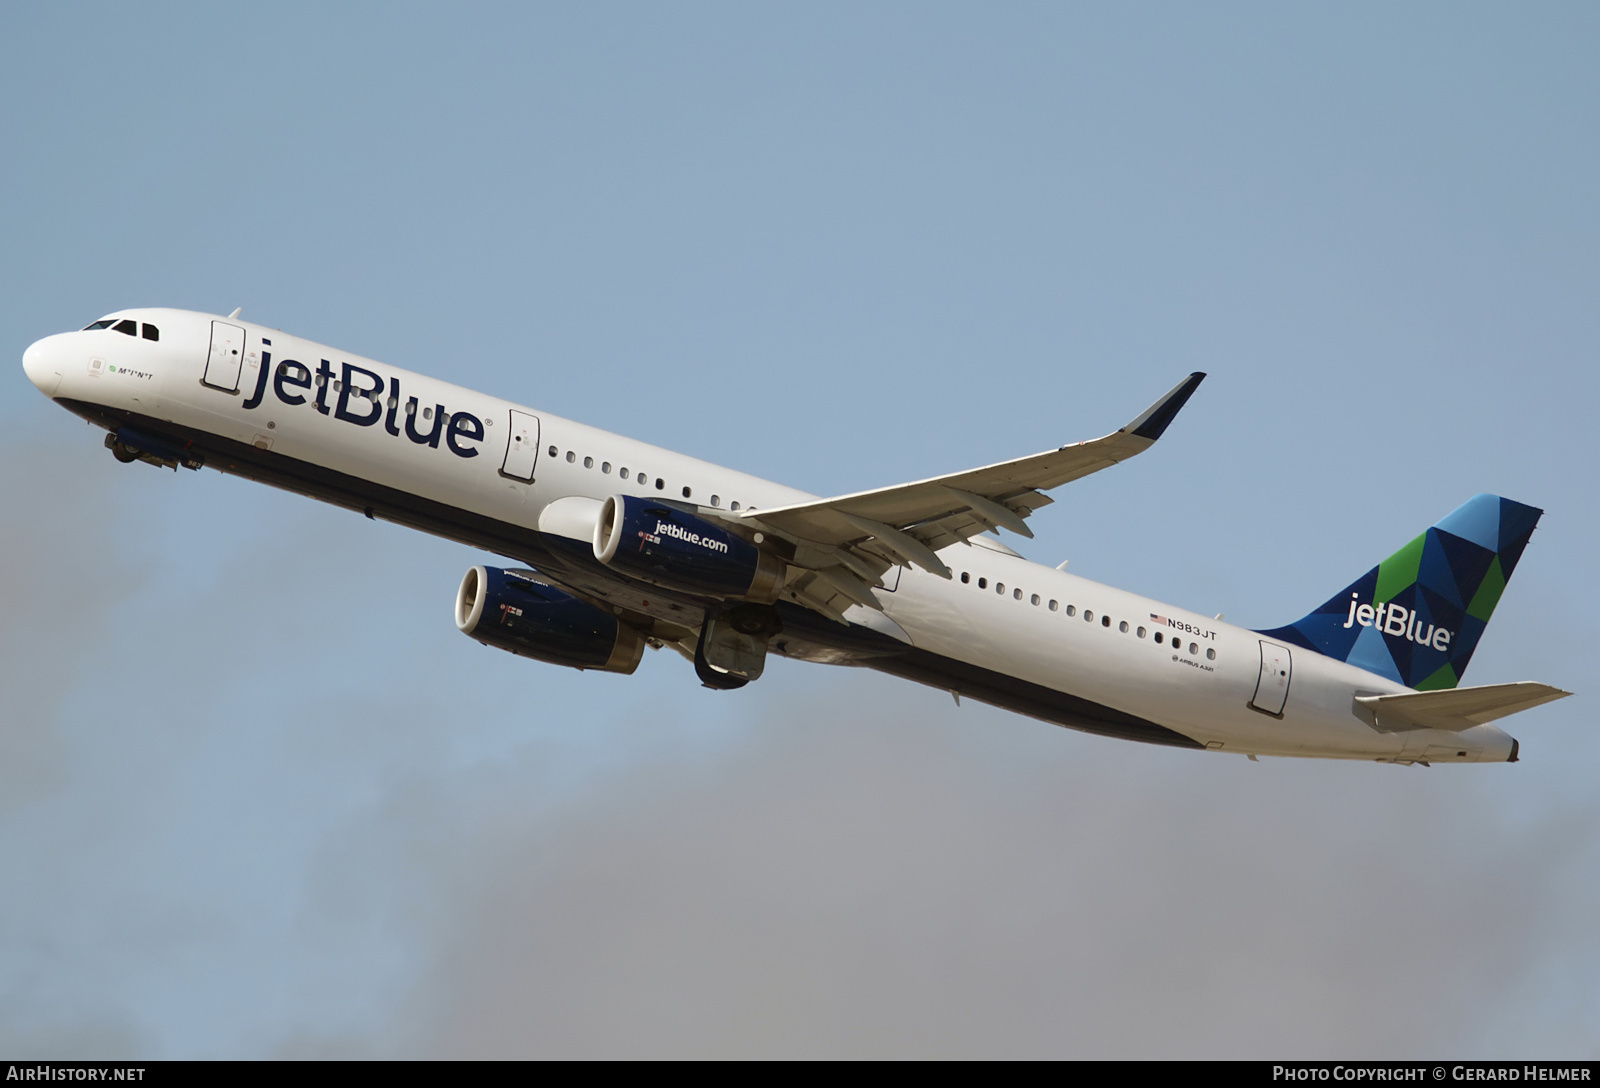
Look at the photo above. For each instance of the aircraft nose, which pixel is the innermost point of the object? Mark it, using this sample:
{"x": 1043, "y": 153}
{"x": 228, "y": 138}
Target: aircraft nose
{"x": 39, "y": 362}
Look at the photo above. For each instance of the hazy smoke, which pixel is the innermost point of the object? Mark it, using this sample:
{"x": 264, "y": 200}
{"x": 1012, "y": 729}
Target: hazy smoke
{"x": 851, "y": 881}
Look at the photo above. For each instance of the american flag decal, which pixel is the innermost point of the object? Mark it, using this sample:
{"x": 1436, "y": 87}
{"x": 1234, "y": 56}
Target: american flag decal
{"x": 1162, "y": 620}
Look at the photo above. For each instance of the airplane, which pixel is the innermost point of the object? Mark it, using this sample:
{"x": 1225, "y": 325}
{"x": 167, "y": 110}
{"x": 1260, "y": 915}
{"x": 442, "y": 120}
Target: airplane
{"x": 624, "y": 545}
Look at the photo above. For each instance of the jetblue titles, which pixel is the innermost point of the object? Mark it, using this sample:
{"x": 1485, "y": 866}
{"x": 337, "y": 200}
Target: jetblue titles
{"x": 360, "y": 400}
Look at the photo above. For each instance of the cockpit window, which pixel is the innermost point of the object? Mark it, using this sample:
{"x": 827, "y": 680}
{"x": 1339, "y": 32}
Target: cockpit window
{"x": 151, "y": 332}
{"x": 103, "y": 323}
{"x": 131, "y": 328}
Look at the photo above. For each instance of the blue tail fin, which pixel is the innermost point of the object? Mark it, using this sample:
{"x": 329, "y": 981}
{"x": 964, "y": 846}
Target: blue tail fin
{"x": 1417, "y": 616}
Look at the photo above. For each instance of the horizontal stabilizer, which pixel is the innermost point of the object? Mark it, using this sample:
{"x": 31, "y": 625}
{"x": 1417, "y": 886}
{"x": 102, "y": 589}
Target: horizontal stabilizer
{"x": 1455, "y": 709}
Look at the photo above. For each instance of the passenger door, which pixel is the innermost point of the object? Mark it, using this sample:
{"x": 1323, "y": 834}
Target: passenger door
{"x": 227, "y": 355}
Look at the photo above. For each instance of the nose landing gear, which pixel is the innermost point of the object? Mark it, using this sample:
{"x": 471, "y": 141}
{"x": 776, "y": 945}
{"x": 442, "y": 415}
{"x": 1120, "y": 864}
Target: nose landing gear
{"x": 128, "y": 445}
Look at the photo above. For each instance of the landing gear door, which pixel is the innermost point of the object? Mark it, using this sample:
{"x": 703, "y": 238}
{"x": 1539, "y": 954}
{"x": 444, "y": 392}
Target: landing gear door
{"x": 522, "y": 447}
{"x": 1272, "y": 687}
{"x": 227, "y": 353}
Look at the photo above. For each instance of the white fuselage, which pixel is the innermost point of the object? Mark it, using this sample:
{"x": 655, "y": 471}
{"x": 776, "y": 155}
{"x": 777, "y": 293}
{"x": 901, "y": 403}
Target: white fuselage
{"x": 1205, "y": 679}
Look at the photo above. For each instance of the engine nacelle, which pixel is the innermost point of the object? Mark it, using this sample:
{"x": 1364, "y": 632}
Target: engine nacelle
{"x": 501, "y": 609}
{"x": 656, "y": 543}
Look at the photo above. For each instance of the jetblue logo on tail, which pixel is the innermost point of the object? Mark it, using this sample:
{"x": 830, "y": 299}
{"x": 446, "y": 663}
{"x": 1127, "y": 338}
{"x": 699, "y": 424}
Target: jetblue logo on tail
{"x": 1416, "y": 617}
{"x": 1396, "y": 619}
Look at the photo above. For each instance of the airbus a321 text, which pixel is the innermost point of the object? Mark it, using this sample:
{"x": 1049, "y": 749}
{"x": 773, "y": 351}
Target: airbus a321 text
{"x": 624, "y": 545}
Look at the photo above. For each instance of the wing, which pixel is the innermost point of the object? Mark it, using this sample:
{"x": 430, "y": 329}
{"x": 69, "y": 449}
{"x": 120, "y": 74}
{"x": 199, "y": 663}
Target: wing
{"x": 849, "y": 542}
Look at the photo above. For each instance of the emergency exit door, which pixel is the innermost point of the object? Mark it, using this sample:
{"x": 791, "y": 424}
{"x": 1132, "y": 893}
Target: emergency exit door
{"x": 522, "y": 447}
{"x": 1272, "y": 687}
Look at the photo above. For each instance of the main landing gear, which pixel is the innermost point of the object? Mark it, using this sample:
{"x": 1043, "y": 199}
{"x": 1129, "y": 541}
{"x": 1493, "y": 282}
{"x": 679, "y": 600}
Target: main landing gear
{"x": 733, "y": 645}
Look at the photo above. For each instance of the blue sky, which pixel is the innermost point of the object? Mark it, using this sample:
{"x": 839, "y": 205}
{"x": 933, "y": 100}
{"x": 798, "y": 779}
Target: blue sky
{"x": 259, "y": 798}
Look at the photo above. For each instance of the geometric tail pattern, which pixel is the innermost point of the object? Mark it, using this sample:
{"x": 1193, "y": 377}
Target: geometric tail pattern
{"x": 1417, "y": 616}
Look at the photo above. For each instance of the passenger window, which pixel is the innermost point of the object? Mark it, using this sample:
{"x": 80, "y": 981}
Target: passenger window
{"x": 965, "y": 578}
{"x": 1000, "y": 588}
{"x": 734, "y": 505}
{"x": 1141, "y": 632}
{"x": 588, "y": 462}
{"x": 554, "y": 452}
{"x": 152, "y": 333}
{"x": 1017, "y": 594}
{"x": 1158, "y": 638}
{"x": 1211, "y": 654}
{"x": 1034, "y": 599}
{"x": 1105, "y": 621}
{"x": 716, "y": 500}
{"x": 571, "y": 457}
{"x": 131, "y": 328}
{"x": 660, "y": 483}
{"x": 1053, "y": 606}
{"x": 983, "y": 583}
{"x": 623, "y": 473}
{"x": 686, "y": 492}
{"x": 1123, "y": 626}
{"x": 605, "y": 467}
{"x": 1088, "y": 616}
{"x": 1072, "y": 610}
{"x": 1193, "y": 648}
{"x": 427, "y": 413}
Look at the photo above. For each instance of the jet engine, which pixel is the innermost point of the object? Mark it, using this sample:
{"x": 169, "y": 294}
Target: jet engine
{"x": 668, "y": 547}
{"x": 500, "y": 608}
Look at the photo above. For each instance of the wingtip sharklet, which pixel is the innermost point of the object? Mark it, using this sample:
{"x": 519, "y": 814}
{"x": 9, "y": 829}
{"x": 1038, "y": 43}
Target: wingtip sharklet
{"x": 1154, "y": 422}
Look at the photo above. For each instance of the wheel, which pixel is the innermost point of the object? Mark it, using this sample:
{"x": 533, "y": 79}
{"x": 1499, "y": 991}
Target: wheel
{"x": 760, "y": 620}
